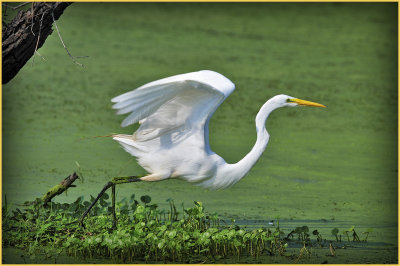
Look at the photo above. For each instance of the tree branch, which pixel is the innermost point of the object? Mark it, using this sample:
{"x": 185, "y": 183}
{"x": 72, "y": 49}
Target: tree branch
{"x": 21, "y": 38}
{"x": 60, "y": 188}
{"x": 65, "y": 47}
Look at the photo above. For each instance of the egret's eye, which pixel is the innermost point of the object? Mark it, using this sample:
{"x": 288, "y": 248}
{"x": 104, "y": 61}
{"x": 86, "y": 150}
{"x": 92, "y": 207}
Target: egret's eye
{"x": 289, "y": 100}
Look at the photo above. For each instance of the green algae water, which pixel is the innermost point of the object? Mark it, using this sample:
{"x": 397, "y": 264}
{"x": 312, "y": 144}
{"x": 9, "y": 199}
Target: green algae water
{"x": 337, "y": 164}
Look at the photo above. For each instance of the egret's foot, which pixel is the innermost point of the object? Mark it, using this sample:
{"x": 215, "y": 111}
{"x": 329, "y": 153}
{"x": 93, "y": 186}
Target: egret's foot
{"x": 115, "y": 181}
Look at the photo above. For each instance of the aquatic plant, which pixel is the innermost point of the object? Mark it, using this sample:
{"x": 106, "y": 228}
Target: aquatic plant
{"x": 353, "y": 233}
{"x": 144, "y": 233}
{"x": 319, "y": 237}
{"x": 366, "y": 233}
{"x": 335, "y": 232}
{"x": 302, "y": 234}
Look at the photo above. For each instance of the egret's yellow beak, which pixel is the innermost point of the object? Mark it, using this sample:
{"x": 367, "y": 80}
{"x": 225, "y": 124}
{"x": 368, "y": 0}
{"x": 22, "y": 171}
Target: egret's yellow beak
{"x": 306, "y": 103}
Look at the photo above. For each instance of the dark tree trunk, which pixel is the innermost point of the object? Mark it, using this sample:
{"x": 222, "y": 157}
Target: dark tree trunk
{"x": 19, "y": 43}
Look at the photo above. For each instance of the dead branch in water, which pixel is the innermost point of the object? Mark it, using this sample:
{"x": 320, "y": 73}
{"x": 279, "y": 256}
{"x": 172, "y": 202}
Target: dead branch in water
{"x": 60, "y": 188}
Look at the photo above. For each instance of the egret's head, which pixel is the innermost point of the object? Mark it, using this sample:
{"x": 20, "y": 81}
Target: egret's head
{"x": 283, "y": 100}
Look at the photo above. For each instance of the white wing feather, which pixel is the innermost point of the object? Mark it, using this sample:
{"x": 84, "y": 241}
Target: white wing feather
{"x": 181, "y": 104}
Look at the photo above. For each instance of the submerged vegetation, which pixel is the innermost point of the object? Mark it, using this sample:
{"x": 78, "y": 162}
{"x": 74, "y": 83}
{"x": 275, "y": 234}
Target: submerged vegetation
{"x": 146, "y": 233}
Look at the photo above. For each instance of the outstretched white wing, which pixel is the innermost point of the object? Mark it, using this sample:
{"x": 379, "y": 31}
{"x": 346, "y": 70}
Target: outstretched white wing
{"x": 176, "y": 106}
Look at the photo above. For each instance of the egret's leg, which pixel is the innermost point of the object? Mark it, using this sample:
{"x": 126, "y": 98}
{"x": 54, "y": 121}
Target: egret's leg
{"x": 115, "y": 181}
{"x": 154, "y": 177}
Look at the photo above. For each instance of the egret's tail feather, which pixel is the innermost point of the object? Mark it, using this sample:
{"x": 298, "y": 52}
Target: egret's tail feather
{"x": 129, "y": 144}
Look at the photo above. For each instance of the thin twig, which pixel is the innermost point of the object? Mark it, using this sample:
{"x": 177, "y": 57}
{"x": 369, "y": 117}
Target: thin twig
{"x": 37, "y": 42}
{"x": 15, "y": 7}
{"x": 32, "y": 12}
{"x": 65, "y": 47}
{"x": 44, "y": 59}
{"x": 48, "y": 5}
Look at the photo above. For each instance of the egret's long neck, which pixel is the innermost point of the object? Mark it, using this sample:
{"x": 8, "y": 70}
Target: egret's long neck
{"x": 240, "y": 169}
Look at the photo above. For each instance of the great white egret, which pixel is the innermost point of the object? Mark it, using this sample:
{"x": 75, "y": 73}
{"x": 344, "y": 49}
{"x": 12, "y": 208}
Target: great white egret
{"x": 172, "y": 140}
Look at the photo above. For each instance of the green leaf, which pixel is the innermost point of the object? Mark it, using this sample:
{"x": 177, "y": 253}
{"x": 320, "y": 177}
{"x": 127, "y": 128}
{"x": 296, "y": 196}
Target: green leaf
{"x": 335, "y": 231}
{"x": 172, "y": 234}
{"x": 305, "y": 229}
{"x": 132, "y": 198}
{"x": 145, "y": 199}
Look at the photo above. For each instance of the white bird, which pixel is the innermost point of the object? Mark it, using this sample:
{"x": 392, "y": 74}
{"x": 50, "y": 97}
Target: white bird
{"x": 172, "y": 140}
{"x": 174, "y": 115}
